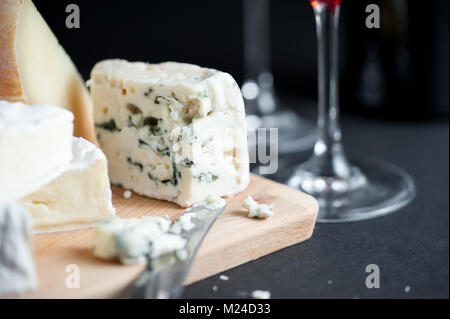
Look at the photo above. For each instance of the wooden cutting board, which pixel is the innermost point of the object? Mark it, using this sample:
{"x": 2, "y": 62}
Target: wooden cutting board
{"x": 233, "y": 240}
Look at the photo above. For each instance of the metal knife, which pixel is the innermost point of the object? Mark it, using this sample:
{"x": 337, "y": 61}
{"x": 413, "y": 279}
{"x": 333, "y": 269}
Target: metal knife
{"x": 163, "y": 277}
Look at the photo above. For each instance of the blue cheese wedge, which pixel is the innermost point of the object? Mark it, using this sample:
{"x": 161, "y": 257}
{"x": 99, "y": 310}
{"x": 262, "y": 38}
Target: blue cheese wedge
{"x": 17, "y": 270}
{"x": 78, "y": 198}
{"x": 258, "y": 210}
{"x": 133, "y": 240}
{"x": 35, "y": 147}
{"x": 171, "y": 131}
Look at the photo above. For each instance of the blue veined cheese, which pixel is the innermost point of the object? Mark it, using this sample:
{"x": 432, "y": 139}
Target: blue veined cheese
{"x": 133, "y": 240}
{"x": 17, "y": 270}
{"x": 35, "y": 147}
{"x": 172, "y": 131}
{"x": 78, "y": 198}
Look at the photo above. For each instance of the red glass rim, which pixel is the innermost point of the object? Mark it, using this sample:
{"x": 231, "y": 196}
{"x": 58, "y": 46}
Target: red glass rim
{"x": 329, "y": 3}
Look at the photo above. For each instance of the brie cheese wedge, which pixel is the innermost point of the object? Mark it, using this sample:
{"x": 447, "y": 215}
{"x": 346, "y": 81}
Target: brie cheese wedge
{"x": 35, "y": 147}
{"x": 80, "y": 197}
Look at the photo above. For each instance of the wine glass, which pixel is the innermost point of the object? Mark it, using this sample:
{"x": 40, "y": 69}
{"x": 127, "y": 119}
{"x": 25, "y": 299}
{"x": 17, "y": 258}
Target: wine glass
{"x": 262, "y": 104}
{"x": 346, "y": 191}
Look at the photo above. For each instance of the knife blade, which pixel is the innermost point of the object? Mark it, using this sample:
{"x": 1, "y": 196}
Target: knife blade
{"x": 163, "y": 277}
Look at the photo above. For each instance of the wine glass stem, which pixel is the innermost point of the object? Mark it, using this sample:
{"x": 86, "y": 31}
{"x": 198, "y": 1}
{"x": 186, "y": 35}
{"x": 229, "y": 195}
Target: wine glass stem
{"x": 256, "y": 38}
{"x": 328, "y": 156}
{"x": 260, "y": 99}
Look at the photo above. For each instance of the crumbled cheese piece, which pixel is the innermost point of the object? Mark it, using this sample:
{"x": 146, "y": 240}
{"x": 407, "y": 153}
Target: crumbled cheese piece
{"x": 407, "y": 289}
{"x": 261, "y": 294}
{"x": 258, "y": 210}
{"x": 184, "y": 222}
{"x": 215, "y": 288}
{"x": 132, "y": 240}
{"x": 213, "y": 202}
{"x": 127, "y": 194}
{"x": 223, "y": 277}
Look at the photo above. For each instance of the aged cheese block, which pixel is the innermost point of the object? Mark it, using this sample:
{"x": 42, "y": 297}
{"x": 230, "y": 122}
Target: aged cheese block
{"x": 172, "y": 131}
{"x": 35, "y": 69}
{"x": 35, "y": 147}
{"x": 78, "y": 198}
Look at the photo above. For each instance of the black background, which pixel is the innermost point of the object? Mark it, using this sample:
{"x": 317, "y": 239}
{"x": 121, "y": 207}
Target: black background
{"x": 210, "y": 33}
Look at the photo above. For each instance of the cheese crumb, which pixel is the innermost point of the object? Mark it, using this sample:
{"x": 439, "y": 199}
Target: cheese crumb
{"x": 407, "y": 289}
{"x": 258, "y": 210}
{"x": 223, "y": 277}
{"x": 127, "y": 194}
{"x": 213, "y": 202}
{"x": 215, "y": 288}
{"x": 184, "y": 222}
{"x": 261, "y": 294}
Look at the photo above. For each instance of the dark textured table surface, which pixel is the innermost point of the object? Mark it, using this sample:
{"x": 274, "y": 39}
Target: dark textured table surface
{"x": 409, "y": 246}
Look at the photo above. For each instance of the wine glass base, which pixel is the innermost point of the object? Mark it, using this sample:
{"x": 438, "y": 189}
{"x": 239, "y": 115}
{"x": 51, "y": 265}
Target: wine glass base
{"x": 386, "y": 189}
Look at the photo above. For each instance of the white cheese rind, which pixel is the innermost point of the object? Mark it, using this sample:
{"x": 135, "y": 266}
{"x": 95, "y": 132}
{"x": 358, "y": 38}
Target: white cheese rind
{"x": 17, "y": 270}
{"x": 172, "y": 131}
{"x": 78, "y": 198}
{"x": 35, "y": 147}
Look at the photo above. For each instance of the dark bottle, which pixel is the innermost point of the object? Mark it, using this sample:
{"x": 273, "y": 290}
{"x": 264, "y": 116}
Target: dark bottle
{"x": 401, "y": 69}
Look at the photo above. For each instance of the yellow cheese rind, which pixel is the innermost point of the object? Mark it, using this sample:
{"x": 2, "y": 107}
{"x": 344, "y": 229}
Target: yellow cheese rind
{"x": 11, "y": 88}
{"x": 35, "y": 69}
